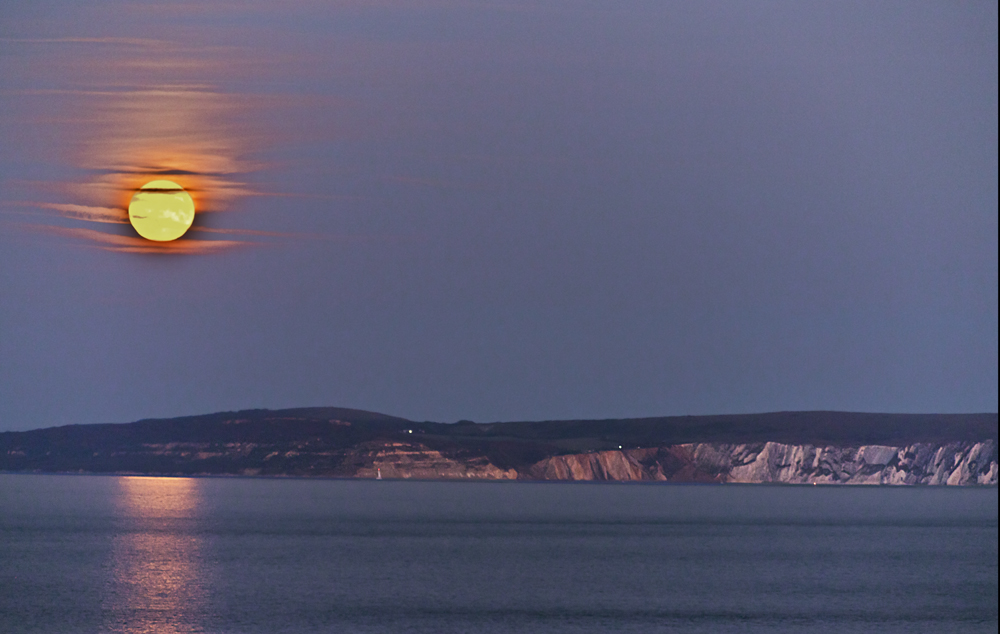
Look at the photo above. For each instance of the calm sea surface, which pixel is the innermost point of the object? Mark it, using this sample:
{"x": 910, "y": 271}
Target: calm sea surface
{"x": 121, "y": 554}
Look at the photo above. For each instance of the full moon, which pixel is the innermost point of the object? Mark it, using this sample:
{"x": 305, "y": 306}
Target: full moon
{"x": 161, "y": 211}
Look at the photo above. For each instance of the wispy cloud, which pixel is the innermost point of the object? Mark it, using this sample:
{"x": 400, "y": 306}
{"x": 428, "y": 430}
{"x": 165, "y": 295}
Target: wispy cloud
{"x": 257, "y": 232}
{"x": 327, "y": 237}
{"x": 110, "y": 215}
{"x": 128, "y": 110}
{"x": 134, "y": 244}
{"x": 433, "y": 183}
{"x": 129, "y": 41}
{"x": 123, "y": 243}
{"x": 250, "y": 192}
{"x": 108, "y": 90}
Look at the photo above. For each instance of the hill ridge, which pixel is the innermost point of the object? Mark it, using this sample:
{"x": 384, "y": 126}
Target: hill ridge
{"x": 351, "y": 443}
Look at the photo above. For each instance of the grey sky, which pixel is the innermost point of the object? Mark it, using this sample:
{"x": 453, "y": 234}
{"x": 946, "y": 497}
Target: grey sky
{"x": 496, "y": 212}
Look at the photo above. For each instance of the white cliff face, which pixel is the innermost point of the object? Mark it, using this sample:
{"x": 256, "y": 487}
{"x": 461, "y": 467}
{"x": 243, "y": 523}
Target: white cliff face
{"x": 958, "y": 463}
{"x": 954, "y": 463}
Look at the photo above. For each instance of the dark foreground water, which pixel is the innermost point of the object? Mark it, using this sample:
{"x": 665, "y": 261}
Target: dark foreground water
{"x": 115, "y": 554}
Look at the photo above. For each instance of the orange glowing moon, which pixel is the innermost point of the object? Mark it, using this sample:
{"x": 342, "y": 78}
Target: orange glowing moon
{"x": 161, "y": 211}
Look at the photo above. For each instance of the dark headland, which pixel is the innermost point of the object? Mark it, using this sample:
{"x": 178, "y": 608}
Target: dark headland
{"x": 791, "y": 447}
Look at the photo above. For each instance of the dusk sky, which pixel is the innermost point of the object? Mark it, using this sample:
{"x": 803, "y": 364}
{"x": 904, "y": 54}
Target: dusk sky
{"x": 511, "y": 210}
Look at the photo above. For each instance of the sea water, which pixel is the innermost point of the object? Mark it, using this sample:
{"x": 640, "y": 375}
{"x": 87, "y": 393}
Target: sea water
{"x": 151, "y": 555}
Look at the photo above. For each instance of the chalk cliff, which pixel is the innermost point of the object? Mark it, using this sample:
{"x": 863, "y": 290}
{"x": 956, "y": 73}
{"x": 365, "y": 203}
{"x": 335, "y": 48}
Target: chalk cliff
{"x": 958, "y": 463}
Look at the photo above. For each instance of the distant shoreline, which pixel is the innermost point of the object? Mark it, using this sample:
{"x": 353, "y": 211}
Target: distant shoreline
{"x": 807, "y": 448}
{"x": 320, "y": 478}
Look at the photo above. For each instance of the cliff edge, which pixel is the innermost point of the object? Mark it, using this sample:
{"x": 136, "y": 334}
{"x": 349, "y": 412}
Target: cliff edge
{"x": 960, "y": 463}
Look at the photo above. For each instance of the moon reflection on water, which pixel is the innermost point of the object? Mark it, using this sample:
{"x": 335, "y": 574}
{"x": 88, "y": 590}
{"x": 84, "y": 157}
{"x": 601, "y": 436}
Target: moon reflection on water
{"x": 156, "y": 583}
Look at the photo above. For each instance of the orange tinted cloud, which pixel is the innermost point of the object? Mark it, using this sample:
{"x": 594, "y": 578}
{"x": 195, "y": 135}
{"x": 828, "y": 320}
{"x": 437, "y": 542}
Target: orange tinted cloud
{"x": 131, "y": 41}
{"x": 135, "y": 244}
{"x": 181, "y": 133}
{"x": 131, "y": 110}
{"x": 109, "y": 215}
{"x": 306, "y": 236}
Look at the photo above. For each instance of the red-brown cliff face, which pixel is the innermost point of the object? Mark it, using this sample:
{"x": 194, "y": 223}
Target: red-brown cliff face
{"x": 675, "y": 463}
